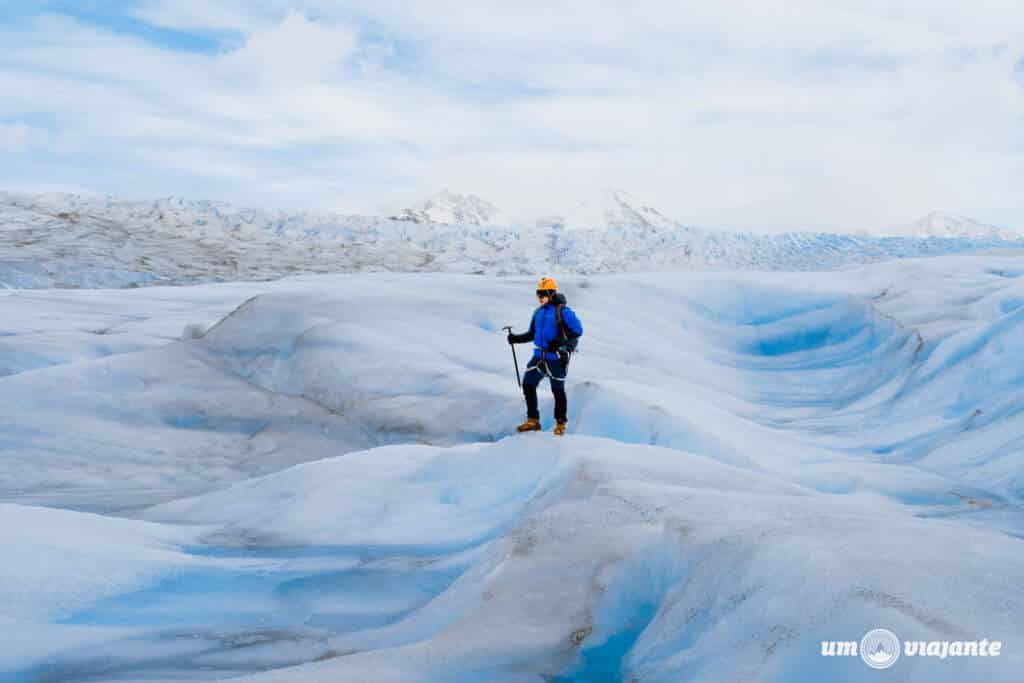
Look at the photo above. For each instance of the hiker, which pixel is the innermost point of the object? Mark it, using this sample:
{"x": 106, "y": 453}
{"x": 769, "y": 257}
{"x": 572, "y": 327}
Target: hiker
{"x": 554, "y": 330}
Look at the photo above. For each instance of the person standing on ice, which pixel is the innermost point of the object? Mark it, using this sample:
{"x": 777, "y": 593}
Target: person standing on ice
{"x": 554, "y": 330}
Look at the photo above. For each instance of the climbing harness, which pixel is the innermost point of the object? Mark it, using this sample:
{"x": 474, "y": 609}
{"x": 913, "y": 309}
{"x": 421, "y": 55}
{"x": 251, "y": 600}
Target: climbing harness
{"x": 545, "y": 371}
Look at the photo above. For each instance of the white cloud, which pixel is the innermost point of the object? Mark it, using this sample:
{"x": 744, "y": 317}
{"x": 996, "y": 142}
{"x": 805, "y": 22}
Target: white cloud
{"x": 799, "y": 114}
{"x": 296, "y": 51}
{"x": 209, "y": 15}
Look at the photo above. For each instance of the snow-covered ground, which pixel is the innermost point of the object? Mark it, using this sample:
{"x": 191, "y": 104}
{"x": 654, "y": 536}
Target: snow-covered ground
{"x": 62, "y": 240}
{"x": 318, "y": 478}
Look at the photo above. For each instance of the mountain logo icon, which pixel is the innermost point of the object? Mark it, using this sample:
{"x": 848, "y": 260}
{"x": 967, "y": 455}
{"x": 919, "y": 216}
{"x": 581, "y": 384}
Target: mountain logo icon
{"x": 880, "y": 648}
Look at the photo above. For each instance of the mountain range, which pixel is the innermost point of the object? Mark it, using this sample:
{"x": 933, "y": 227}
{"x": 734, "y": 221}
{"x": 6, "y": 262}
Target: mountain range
{"x": 614, "y": 208}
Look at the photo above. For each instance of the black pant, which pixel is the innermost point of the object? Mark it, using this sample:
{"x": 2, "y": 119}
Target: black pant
{"x": 554, "y": 369}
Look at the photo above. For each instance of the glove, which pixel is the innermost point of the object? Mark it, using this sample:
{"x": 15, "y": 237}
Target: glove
{"x": 510, "y": 338}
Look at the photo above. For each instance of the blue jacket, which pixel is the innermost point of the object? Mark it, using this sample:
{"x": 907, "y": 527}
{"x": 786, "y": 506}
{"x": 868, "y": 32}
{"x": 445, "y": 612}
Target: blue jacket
{"x": 544, "y": 329}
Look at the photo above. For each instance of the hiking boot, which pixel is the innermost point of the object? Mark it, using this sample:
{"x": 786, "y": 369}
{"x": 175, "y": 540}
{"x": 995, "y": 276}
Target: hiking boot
{"x": 531, "y": 425}
{"x": 560, "y": 429}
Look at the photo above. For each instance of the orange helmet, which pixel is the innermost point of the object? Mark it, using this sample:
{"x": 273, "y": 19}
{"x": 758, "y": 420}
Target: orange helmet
{"x": 547, "y": 283}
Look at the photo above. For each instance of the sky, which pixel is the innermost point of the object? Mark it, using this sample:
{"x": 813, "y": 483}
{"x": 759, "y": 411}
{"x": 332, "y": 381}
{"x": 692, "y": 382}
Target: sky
{"x": 759, "y": 115}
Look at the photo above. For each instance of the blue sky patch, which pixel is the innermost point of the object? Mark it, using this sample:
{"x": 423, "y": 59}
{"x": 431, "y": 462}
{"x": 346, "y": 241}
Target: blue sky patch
{"x": 120, "y": 21}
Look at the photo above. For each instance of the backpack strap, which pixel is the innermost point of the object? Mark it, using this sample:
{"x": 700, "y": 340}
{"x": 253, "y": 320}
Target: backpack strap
{"x": 563, "y": 333}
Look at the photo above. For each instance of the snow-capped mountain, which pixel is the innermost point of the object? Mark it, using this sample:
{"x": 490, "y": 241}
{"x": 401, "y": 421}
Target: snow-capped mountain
{"x": 64, "y": 240}
{"x": 611, "y": 210}
{"x": 449, "y": 207}
{"x": 951, "y": 226}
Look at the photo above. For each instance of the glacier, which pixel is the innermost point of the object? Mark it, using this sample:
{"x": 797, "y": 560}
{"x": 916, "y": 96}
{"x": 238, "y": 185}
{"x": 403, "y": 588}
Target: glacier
{"x": 317, "y": 477}
{"x": 75, "y": 241}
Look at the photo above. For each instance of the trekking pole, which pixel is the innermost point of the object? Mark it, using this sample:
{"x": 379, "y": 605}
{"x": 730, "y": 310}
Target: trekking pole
{"x": 519, "y": 382}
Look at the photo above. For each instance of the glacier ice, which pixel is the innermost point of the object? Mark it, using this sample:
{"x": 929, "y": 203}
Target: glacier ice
{"x": 320, "y": 481}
